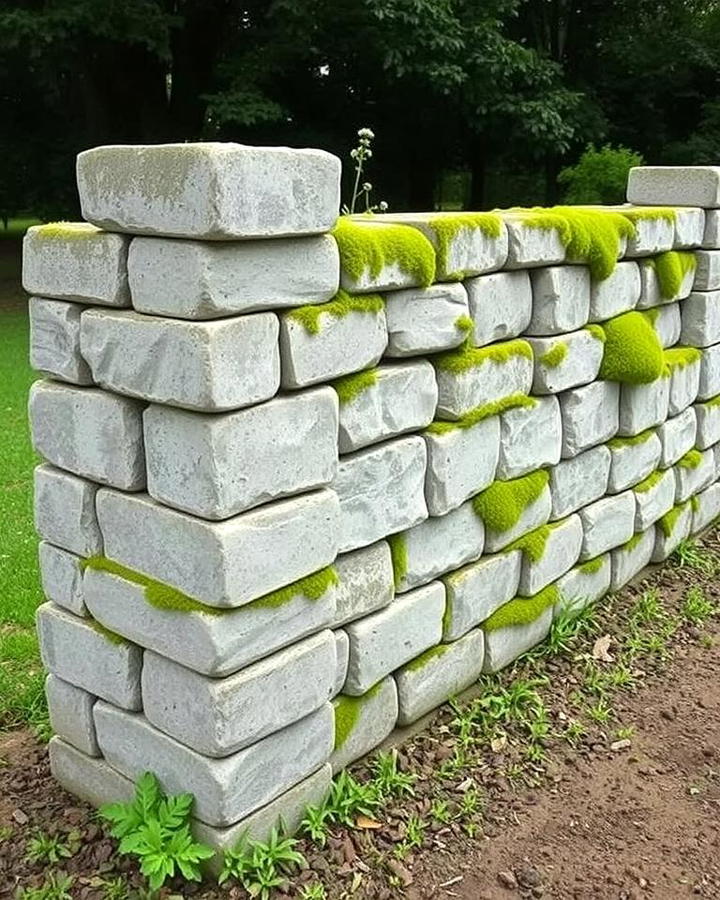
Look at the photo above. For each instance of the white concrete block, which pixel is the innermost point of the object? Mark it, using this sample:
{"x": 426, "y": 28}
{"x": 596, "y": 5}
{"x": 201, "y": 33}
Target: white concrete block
{"x": 535, "y": 514}
{"x": 362, "y": 723}
{"x": 438, "y": 545}
{"x": 199, "y": 280}
{"x": 672, "y": 530}
{"x": 216, "y": 466}
{"x": 643, "y": 406}
{"x": 402, "y": 398}
{"x": 366, "y": 582}
{"x": 344, "y": 343}
{"x": 651, "y": 295}
{"x": 342, "y": 657}
{"x": 706, "y": 507}
{"x": 667, "y": 323}
{"x": 693, "y": 473}
{"x": 500, "y": 305}
{"x": 701, "y": 319}
{"x": 607, "y": 523}
{"x": 630, "y": 559}
{"x": 530, "y": 438}
{"x": 90, "y": 779}
{"x": 375, "y": 649}
{"x": 583, "y": 585}
{"x": 709, "y": 386}
{"x": 461, "y": 462}
{"x": 711, "y": 237}
{"x": 474, "y": 592}
{"x": 677, "y": 436}
{"x": 652, "y": 236}
{"x": 223, "y": 564}
{"x": 561, "y": 299}
{"x": 689, "y": 227}
{"x": 707, "y": 272}
{"x": 64, "y": 511}
{"x": 529, "y": 245}
{"x": 76, "y": 651}
{"x": 443, "y": 672}
{"x": 653, "y": 499}
{"x": 504, "y": 645}
{"x": 213, "y": 191}
{"x": 708, "y": 425}
{"x": 675, "y": 185}
{"x": 219, "y": 365}
{"x": 631, "y": 461}
{"x": 380, "y": 490}
{"x": 89, "y": 432}
{"x": 71, "y": 714}
{"x": 55, "y": 340}
{"x": 425, "y": 320}
{"x": 684, "y": 384}
{"x": 565, "y": 362}
{"x": 61, "y": 578}
{"x": 589, "y": 416}
{"x": 617, "y": 293}
{"x": 578, "y": 481}
{"x": 74, "y": 261}
{"x": 563, "y": 542}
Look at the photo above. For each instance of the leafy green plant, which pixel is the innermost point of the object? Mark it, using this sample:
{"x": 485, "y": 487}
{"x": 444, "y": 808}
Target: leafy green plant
{"x": 625, "y": 733}
{"x": 600, "y": 712}
{"x": 689, "y": 554}
{"x": 440, "y": 811}
{"x": 259, "y": 867}
{"x": 156, "y": 830}
{"x": 55, "y": 887}
{"x": 348, "y": 799}
{"x": 315, "y": 891}
{"x": 388, "y": 780}
{"x": 697, "y": 608}
{"x": 600, "y": 175}
{"x": 47, "y": 848}
{"x": 316, "y": 823}
{"x": 115, "y": 889}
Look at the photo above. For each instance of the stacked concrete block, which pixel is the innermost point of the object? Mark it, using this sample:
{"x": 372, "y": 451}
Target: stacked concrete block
{"x": 305, "y": 479}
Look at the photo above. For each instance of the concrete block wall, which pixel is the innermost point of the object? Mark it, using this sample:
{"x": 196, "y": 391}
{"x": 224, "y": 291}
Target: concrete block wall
{"x": 305, "y": 481}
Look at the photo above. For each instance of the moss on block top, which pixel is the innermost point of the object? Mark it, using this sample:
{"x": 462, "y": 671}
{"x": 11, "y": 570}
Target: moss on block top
{"x": 110, "y": 636}
{"x": 464, "y": 324}
{"x": 347, "y": 713}
{"x": 633, "y": 352}
{"x": 341, "y": 305}
{"x": 591, "y": 566}
{"x": 681, "y": 357}
{"x": 652, "y": 480}
{"x": 66, "y": 231}
{"x": 597, "y": 331}
{"x": 618, "y": 443}
{"x": 671, "y": 268}
{"x": 691, "y": 460}
{"x": 351, "y": 386}
{"x": 522, "y": 610}
{"x": 630, "y": 545}
{"x": 367, "y": 247}
{"x": 501, "y": 505}
{"x": 447, "y": 226}
{"x": 555, "y": 355}
{"x": 480, "y": 413}
{"x": 668, "y": 522}
{"x": 421, "y": 661}
{"x": 467, "y": 357}
{"x": 533, "y": 544}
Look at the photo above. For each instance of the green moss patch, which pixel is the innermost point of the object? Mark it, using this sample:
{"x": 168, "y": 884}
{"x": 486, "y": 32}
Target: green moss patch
{"x": 464, "y": 324}
{"x": 367, "y": 247}
{"x": 347, "y": 713}
{"x": 428, "y": 656}
{"x": 67, "y": 231}
{"x": 691, "y": 460}
{"x": 399, "y": 554}
{"x": 591, "y": 566}
{"x": 350, "y": 387}
{"x": 555, "y": 355}
{"x": 668, "y": 522}
{"x": 522, "y": 610}
{"x": 597, "y": 331}
{"x": 630, "y": 545}
{"x": 618, "y": 443}
{"x": 671, "y": 268}
{"x": 649, "y": 213}
{"x": 312, "y": 587}
{"x": 647, "y": 484}
{"x": 713, "y": 402}
{"x": 110, "y": 636}
{"x": 480, "y": 413}
{"x": 694, "y": 503}
{"x": 534, "y": 543}
{"x": 633, "y": 353}
{"x": 466, "y": 358}
{"x": 502, "y": 504}
{"x": 342, "y": 304}
{"x": 447, "y": 226}
{"x": 681, "y": 357}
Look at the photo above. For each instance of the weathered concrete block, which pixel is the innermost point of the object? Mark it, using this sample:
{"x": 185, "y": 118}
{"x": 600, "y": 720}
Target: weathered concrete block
{"x": 64, "y": 508}
{"x": 474, "y": 592}
{"x": 651, "y": 295}
{"x": 675, "y": 185}
{"x": 225, "y": 790}
{"x": 77, "y": 651}
{"x": 200, "y": 280}
{"x": 654, "y": 497}
{"x": 196, "y": 365}
{"x": 482, "y": 376}
{"x": 561, "y": 299}
{"x": 583, "y": 585}
{"x": 631, "y": 558}
{"x": 667, "y": 323}
{"x": 438, "y": 545}
{"x": 652, "y": 236}
{"x": 677, "y": 436}
{"x": 342, "y": 344}
{"x": 366, "y": 582}
{"x": 535, "y": 514}
{"x": 500, "y": 305}
{"x": 589, "y": 416}
{"x": 708, "y": 425}
{"x": 375, "y": 650}
{"x": 218, "y": 465}
{"x": 711, "y": 237}
{"x": 402, "y": 397}
{"x": 530, "y": 438}
{"x": 689, "y": 227}
{"x": 504, "y": 645}
{"x": 362, "y": 723}
{"x": 61, "y": 578}
{"x": 701, "y": 319}
{"x": 560, "y": 552}
{"x": 709, "y": 386}
{"x": 425, "y": 320}
{"x": 218, "y": 716}
{"x": 578, "y": 481}
{"x": 74, "y": 261}
{"x": 55, "y": 340}
{"x": 693, "y": 474}
{"x": 440, "y": 673}
{"x": 380, "y": 490}
{"x": 227, "y": 563}
{"x": 530, "y": 246}
{"x": 631, "y": 461}
{"x": 209, "y": 190}
{"x": 342, "y": 658}
{"x": 89, "y": 432}
{"x": 565, "y": 362}
{"x": 71, "y": 716}
{"x": 461, "y": 462}
{"x": 672, "y": 529}
{"x": 684, "y": 383}
{"x": 215, "y": 645}
{"x": 607, "y": 523}
{"x": 707, "y": 272}
{"x": 376, "y": 255}
{"x": 643, "y": 406}
{"x": 706, "y": 508}
{"x": 90, "y": 779}
{"x": 616, "y": 294}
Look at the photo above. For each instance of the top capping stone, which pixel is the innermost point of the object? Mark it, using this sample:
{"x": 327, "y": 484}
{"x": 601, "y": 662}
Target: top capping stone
{"x": 212, "y": 191}
{"x": 675, "y": 186}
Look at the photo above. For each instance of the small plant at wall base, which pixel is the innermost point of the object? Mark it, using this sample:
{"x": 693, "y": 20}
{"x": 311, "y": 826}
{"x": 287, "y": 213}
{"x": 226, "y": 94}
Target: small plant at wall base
{"x": 360, "y": 155}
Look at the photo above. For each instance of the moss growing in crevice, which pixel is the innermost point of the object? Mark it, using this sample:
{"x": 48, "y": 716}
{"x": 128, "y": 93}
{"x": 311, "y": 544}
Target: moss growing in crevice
{"x": 651, "y": 315}
{"x": 350, "y": 387}
{"x": 466, "y": 358}
{"x": 448, "y": 614}
{"x": 694, "y": 503}
{"x": 652, "y": 480}
{"x": 592, "y": 566}
{"x": 341, "y": 305}
{"x": 534, "y": 543}
{"x": 712, "y": 402}
{"x": 347, "y": 713}
{"x": 618, "y": 443}
{"x": 502, "y": 504}
{"x": 480, "y": 413}
{"x": 691, "y": 460}
{"x": 668, "y": 522}
{"x": 312, "y": 587}
{"x": 366, "y": 247}
{"x": 597, "y": 331}
{"x": 522, "y": 610}
{"x": 399, "y": 554}
{"x": 447, "y": 226}
{"x": 110, "y": 636}
{"x": 421, "y": 661}
{"x": 633, "y": 352}
{"x": 67, "y": 231}
{"x": 464, "y": 324}
{"x": 681, "y": 357}
{"x": 671, "y": 268}
{"x": 555, "y": 355}
{"x": 630, "y": 545}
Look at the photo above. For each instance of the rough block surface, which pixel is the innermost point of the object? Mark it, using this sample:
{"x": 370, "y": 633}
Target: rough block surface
{"x": 578, "y": 481}
{"x": 500, "y": 305}
{"x": 684, "y": 383}
{"x": 92, "y": 780}
{"x": 503, "y": 645}
{"x": 460, "y": 392}
{"x": 607, "y": 523}
{"x": 561, "y": 552}
{"x": 529, "y": 246}
{"x": 561, "y": 299}
{"x": 64, "y": 508}
{"x": 692, "y": 479}
{"x": 535, "y": 514}
{"x": 701, "y": 319}
{"x": 651, "y": 295}
{"x": 71, "y": 714}
{"x": 677, "y": 436}
{"x": 653, "y": 503}
{"x": 669, "y": 185}
{"x": 474, "y": 592}
{"x": 530, "y": 438}
{"x": 424, "y": 320}
{"x": 580, "y": 364}
{"x": 666, "y": 544}
{"x": 707, "y": 508}
{"x": 616, "y": 294}
{"x": 707, "y": 273}
{"x": 709, "y": 373}
{"x": 630, "y": 463}
{"x": 708, "y": 425}
{"x": 580, "y": 587}
{"x": 589, "y": 416}
{"x": 689, "y": 227}
{"x": 668, "y": 324}
{"x": 627, "y": 562}
{"x": 61, "y": 578}
{"x": 55, "y": 340}
{"x": 376, "y": 715}
{"x": 366, "y": 582}
{"x": 643, "y": 406}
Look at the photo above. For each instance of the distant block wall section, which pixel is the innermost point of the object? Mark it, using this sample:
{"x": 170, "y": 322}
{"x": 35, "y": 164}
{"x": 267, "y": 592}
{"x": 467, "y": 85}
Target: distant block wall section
{"x": 305, "y": 479}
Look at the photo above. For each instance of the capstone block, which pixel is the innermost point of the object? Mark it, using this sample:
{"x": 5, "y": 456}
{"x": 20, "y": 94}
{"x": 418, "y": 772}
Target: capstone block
{"x": 578, "y": 481}
{"x": 708, "y": 425}
{"x": 474, "y": 592}
{"x": 589, "y": 416}
{"x": 630, "y": 559}
{"x": 77, "y": 262}
{"x": 375, "y": 650}
{"x": 425, "y": 320}
{"x": 668, "y": 324}
{"x": 709, "y": 386}
{"x": 689, "y": 227}
{"x": 366, "y": 582}
{"x": 71, "y": 714}
{"x": 64, "y": 508}
{"x": 362, "y": 723}
{"x": 219, "y": 365}
{"x": 380, "y": 490}
{"x": 529, "y": 246}
{"x": 402, "y": 398}
{"x": 560, "y": 553}
{"x": 223, "y": 564}
{"x": 617, "y": 293}
{"x": 643, "y": 406}
{"x": 581, "y": 353}
{"x": 89, "y": 432}
{"x": 668, "y": 537}
{"x": 55, "y": 340}
{"x": 654, "y": 501}
{"x": 199, "y": 280}
{"x": 530, "y": 438}
{"x": 607, "y": 523}
{"x": 701, "y": 319}
{"x": 651, "y": 295}
{"x": 213, "y": 191}
{"x": 500, "y": 305}
{"x": 216, "y": 466}
{"x": 707, "y": 272}
{"x": 504, "y": 645}
{"x": 76, "y": 651}
{"x": 561, "y": 299}
{"x": 706, "y": 508}
{"x": 342, "y": 657}
{"x": 675, "y": 186}
{"x": 61, "y": 578}
{"x": 631, "y": 462}
{"x": 691, "y": 479}
{"x": 677, "y": 436}
{"x": 535, "y": 514}
{"x": 583, "y": 585}
{"x": 90, "y": 779}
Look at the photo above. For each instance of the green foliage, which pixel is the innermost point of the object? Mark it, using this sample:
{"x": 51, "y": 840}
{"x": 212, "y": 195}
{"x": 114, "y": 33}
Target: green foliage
{"x": 671, "y": 268}
{"x": 342, "y": 304}
{"x": 389, "y": 781}
{"x": 523, "y": 610}
{"x": 156, "y": 830}
{"x": 350, "y": 387}
{"x": 51, "y": 848}
{"x": 600, "y": 175}
{"x": 692, "y": 555}
{"x": 466, "y": 358}
{"x": 480, "y": 413}
{"x": 501, "y": 505}
{"x": 555, "y": 355}
{"x": 259, "y": 867}
{"x": 367, "y": 245}
{"x": 633, "y": 353}
{"x": 56, "y": 887}
{"x": 348, "y": 799}
{"x": 697, "y": 608}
